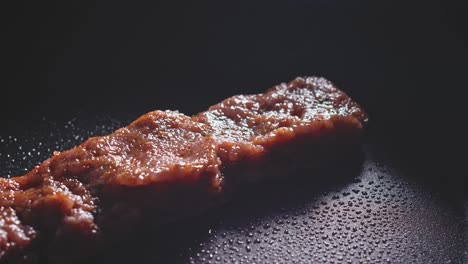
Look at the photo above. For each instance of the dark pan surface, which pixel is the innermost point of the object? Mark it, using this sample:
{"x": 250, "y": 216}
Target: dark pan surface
{"x": 371, "y": 208}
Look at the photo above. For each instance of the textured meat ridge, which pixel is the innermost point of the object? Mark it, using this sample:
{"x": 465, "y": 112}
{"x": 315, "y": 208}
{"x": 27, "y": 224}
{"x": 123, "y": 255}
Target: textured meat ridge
{"x": 167, "y": 165}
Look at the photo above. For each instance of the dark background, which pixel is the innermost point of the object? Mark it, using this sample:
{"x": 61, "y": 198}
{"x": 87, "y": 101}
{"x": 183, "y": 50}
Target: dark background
{"x": 404, "y": 62}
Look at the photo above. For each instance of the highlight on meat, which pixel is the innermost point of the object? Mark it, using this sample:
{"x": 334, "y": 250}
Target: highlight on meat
{"x": 166, "y": 165}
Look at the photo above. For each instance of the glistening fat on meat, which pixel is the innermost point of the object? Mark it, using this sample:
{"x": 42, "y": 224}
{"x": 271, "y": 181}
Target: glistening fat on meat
{"x": 166, "y": 165}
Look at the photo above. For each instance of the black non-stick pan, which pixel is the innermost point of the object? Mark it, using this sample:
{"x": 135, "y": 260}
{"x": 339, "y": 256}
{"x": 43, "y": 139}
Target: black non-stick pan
{"x": 76, "y": 71}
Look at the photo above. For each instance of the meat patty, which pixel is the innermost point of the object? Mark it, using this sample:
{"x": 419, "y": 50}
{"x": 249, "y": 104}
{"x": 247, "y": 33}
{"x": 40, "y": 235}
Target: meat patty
{"x": 166, "y": 165}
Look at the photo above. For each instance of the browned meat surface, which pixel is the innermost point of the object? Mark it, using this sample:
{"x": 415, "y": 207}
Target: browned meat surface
{"x": 166, "y": 165}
